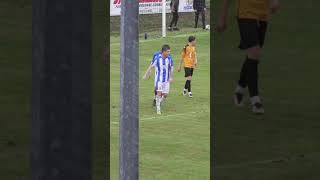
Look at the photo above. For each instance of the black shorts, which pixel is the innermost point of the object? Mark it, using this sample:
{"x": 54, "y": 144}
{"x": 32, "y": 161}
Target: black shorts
{"x": 188, "y": 72}
{"x": 252, "y": 33}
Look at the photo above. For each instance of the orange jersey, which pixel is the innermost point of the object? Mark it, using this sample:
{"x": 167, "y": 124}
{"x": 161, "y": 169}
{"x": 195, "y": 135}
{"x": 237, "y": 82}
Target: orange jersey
{"x": 189, "y": 56}
{"x": 253, "y": 9}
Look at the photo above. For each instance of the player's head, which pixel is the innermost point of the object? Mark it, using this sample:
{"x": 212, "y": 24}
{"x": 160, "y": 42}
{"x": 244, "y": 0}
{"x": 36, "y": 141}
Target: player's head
{"x": 192, "y": 40}
{"x": 165, "y": 50}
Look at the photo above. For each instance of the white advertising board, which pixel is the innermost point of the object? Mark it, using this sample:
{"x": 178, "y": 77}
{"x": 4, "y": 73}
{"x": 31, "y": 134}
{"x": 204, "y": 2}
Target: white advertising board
{"x": 151, "y": 6}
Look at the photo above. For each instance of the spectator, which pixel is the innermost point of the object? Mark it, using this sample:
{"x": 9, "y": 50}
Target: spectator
{"x": 200, "y": 7}
{"x": 174, "y": 5}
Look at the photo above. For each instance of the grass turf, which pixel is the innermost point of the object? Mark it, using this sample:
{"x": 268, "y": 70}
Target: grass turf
{"x": 174, "y": 145}
{"x": 15, "y": 75}
{"x": 15, "y": 99}
{"x": 284, "y": 143}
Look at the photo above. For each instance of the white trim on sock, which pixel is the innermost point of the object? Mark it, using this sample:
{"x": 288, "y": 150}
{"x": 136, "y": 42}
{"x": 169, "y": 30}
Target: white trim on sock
{"x": 255, "y": 99}
{"x": 239, "y": 89}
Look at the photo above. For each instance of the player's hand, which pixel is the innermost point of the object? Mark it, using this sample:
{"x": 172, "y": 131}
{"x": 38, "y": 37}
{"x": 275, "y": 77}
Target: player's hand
{"x": 274, "y": 6}
{"x": 170, "y": 80}
{"x": 179, "y": 69}
{"x": 145, "y": 77}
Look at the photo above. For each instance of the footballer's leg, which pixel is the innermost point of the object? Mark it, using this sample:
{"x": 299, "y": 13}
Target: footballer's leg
{"x": 159, "y": 97}
{"x": 203, "y": 18}
{"x": 187, "y": 84}
{"x": 245, "y": 39}
{"x": 238, "y": 96}
{"x": 165, "y": 92}
{"x": 163, "y": 98}
{"x": 154, "y": 97}
{"x": 189, "y": 79}
{"x": 251, "y": 42}
{"x": 172, "y": 21}
{"x": 158, "y": 102}
{"x": 176, "y": 21}
{"x": 196, "y": 19}
{"x": 185, "y": 89}
{"x": 255, "y": 53}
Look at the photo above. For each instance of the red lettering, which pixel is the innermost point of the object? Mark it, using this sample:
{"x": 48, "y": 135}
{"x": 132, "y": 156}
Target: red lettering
{"x": 149, "y": 1}
{"x": 116, "y": 1}
{"x": 140, "y": 1}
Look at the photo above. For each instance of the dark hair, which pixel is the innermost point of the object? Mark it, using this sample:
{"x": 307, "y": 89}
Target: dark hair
{"x": 165, "y": 48}
{"x": 190, "y": 39}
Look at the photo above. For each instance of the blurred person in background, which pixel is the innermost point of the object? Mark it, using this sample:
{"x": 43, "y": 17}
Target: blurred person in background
{"x": 174, "y": 5}
{"x": 200, "y": 8}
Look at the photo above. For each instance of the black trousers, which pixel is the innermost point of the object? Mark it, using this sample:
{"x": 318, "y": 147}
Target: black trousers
{"x": 175, "y": 17}
{"x": 203, "y": 16}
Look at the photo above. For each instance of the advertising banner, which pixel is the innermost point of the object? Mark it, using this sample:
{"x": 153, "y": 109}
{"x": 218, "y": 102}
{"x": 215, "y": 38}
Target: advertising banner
{"x": 151, "y": 6}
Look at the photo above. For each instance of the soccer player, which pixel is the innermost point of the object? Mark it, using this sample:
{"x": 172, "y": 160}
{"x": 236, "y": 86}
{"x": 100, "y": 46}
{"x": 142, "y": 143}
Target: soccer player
{"x": 189, "y": 59}
{"x": 163, "y": 65}
{"x": 174, "y": 5}
{"x": 200, "y": 8}
{"x": 252, "y": 17}
{"x": 155, "y": 55}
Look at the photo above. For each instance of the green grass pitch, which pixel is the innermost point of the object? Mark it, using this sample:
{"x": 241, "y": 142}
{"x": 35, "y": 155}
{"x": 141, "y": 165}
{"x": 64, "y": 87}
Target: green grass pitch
{"x": 174, "y": 145}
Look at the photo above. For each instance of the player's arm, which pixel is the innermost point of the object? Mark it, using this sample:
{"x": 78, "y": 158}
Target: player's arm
{"x": 274, "y": 6}
{"x": 181, "y": 61}
{"x": 148, "y": 72}
{"x": 222, "y": 24}
{"x": 196, "y": 60}
{"x": 180, "y": 65}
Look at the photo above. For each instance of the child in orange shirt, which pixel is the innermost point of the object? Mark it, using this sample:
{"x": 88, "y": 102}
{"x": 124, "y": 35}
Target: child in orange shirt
{"x": 189, "y": 59}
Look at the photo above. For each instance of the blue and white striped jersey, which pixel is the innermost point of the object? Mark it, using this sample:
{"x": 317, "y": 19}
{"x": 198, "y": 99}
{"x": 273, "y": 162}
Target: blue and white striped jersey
{"x": 156, "y": 54}
{"x": 162, "y": 67}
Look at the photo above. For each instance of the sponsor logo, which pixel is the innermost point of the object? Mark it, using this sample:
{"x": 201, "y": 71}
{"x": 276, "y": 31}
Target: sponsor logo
{"x": 117, "y": 2}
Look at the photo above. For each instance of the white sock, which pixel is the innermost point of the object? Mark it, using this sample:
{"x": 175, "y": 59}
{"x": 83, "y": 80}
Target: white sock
{"x": 239, "y": 89}
{"x": 255, "y": 99}
{"x": 158, "y": 101}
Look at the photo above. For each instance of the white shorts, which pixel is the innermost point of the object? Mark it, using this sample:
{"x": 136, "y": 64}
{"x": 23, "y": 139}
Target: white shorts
{"x": 163, "y": 87}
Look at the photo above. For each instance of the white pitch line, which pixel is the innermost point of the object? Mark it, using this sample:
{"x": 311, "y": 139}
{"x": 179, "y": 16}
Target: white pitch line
{"x": 159, "y": 117}
{"x": 170, "y": 115}
{"x": 155, "y": 39}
